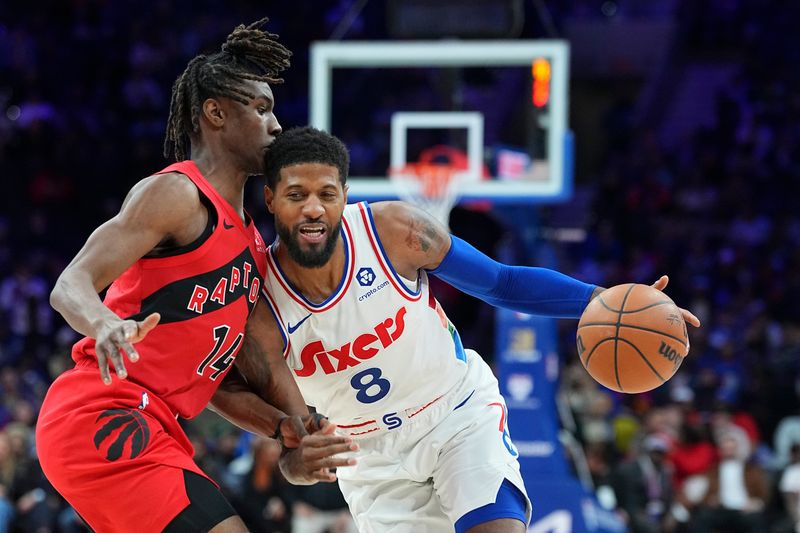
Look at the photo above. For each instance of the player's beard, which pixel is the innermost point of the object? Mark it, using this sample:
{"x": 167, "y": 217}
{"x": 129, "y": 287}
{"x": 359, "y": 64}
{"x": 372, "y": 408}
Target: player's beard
{"x": 316, "y": 256}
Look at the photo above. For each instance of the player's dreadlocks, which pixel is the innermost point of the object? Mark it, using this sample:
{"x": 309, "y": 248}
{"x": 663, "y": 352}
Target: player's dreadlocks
{"x": 249, "y": 53}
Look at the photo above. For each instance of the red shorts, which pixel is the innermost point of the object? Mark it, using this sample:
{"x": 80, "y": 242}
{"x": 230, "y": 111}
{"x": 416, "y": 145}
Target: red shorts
{"x": 115, "y": 452}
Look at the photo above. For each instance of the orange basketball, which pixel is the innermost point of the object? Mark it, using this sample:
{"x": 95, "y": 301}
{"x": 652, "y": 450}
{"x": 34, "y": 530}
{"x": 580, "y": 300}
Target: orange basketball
{"x": 632, "y": 338}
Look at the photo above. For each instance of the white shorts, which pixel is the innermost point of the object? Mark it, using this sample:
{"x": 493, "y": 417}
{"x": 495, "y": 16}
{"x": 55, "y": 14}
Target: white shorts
{"x": 427, "y": 473}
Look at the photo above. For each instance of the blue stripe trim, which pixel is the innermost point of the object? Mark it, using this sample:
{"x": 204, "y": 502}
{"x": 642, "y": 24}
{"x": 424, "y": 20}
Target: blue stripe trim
{"x": 460, "y": 353}
{"x": 509, "y": 503}
{"x": 277, "y": 320}
{"x": 465, "y": 400}
{"x": 385, "y": 258}
{"x": 342, "y": 281}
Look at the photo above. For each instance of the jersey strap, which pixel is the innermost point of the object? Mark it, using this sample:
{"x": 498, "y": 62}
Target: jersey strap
{"x": 377, "y": 247}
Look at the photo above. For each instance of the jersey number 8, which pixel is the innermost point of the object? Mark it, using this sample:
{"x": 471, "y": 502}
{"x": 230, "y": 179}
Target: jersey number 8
{"x": 366, "y": 382}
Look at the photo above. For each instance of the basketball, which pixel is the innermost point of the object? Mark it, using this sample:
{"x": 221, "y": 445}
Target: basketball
{"x": 632, "y": 338}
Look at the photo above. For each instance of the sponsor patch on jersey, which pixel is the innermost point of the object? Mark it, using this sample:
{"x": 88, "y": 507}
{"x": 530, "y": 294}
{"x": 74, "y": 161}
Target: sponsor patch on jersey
{"x": 365, "y": 276}
{"x": 373, "y": 290}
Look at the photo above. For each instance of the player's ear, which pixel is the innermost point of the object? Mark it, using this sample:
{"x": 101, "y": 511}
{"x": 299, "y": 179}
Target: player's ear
{"x": 269, "y": 196}
{"x": 213, "y": 112}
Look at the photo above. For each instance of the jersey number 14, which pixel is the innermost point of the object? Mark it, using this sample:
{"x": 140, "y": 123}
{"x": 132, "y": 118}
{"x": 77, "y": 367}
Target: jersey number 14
{"x": 218, "y": 359}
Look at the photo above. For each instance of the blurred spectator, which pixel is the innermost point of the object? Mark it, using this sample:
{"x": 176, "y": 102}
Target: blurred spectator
{"x": 693, "y": 456}
{"x": 321, "y": 508}
{"x": 23, "y": 298}
{"x": 599, "y": 461}
{"x": 643, "y": 487}
{"x": 790, "y": 489}
{"x": 694, "y": 453}
{"x": 8, "y": 470}
{"x": 23, "y": 487}
{"x": 262, "y": 497}
{"x": 737, "y": 491}
{"x": 724, "y": 415}
{"x": 787, "y": 435}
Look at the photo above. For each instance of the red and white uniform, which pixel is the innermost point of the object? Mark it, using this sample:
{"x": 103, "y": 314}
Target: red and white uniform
{"x": 379, "y": 345}
{"x": 380, "y": 359}
{"x": 116, "y": 452}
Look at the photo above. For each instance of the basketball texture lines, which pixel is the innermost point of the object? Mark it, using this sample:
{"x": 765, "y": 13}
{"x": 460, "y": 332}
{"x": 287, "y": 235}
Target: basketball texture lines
{"x": 632, "y": 338}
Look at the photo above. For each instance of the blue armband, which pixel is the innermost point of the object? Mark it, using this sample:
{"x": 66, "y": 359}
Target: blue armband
{"x": 531, "y": 290}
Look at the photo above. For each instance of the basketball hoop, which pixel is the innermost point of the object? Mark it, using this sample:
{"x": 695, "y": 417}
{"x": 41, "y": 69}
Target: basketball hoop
{"x": 430, "y": 186}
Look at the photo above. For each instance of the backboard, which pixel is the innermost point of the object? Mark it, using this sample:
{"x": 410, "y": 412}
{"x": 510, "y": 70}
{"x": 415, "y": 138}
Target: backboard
{"x": 502, "y": 106}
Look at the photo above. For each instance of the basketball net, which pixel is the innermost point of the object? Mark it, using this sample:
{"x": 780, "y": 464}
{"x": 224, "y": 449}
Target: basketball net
{"x": 430, "y": 186}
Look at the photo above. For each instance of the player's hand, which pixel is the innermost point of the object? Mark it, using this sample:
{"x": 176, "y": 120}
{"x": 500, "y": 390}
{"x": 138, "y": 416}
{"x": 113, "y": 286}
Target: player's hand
{"x": 117, "y": 338}
{"x": 316, "y": 455}
{"x": 294, "y": 428}
{"x": 688, "y": 316}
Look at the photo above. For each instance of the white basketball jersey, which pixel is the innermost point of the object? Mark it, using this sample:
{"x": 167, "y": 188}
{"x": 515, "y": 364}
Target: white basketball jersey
{"x": 375, "y": 347}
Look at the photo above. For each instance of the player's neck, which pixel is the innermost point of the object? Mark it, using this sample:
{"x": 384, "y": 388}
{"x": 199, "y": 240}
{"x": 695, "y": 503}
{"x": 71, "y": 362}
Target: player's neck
{"x": 316, "y": 284}
{"x": 223, "y": 174}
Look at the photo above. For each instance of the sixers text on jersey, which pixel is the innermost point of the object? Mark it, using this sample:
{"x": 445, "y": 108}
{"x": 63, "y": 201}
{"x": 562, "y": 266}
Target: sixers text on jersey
{"x": 362, "y": 347}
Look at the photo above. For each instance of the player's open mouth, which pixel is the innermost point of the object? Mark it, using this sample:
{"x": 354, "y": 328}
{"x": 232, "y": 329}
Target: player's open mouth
{"x": 312, "y": 233}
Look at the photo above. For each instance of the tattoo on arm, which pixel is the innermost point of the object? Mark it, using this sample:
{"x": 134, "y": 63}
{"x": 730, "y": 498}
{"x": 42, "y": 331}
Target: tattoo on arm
{"x": 423, "y": 233}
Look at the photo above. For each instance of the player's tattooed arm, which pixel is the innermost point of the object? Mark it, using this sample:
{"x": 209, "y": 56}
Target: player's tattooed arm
{"x": 259, "y": 393}
{"x": 412, "y": 238}
{"x": 235, "y": 401}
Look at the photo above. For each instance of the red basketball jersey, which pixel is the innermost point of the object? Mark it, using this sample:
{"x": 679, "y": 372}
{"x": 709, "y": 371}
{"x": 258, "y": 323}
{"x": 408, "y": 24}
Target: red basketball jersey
{"x": 204, "y": 295}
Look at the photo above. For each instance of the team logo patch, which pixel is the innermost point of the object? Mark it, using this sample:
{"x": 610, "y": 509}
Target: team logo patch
{"x": 145, "y": 401}
{"x": 123, "y": 430}
{"x": 520, "y": 386}
{"x": 365, "y": 276}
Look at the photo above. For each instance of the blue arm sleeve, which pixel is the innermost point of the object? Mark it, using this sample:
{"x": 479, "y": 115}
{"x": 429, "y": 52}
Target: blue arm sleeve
{"x": 531, "y": 290}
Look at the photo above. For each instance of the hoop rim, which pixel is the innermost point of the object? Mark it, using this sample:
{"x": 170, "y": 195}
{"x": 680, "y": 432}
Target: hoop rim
{"x": 435, "y": 179}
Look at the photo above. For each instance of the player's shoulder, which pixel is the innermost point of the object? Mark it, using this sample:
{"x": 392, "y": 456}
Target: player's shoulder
{"x": 168, "y": 194}
{"x": 166, "y": 187}
{"x": 173, "y": 184}
{"x": 403, "y": 217}
{"x": 412, "y": 238}
{"x": 392, "y": 213}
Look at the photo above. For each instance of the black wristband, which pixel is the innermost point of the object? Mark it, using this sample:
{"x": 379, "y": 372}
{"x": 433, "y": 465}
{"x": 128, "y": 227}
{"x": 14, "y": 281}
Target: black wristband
{"x": 277, "y": 435}
{"x": 318, "y": 418}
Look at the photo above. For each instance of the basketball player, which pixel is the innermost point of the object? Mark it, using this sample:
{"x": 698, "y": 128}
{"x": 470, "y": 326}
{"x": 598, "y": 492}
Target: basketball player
{"x": 366, "y": 340}
{"x": 185, "y": 265}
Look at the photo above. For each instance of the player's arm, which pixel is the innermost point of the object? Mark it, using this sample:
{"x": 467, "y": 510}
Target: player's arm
{"x": 259, "y": 392}
{"x": 415, "y": 240}
{"x": 155, "y": 210}
{"x": 260, "y": 395}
